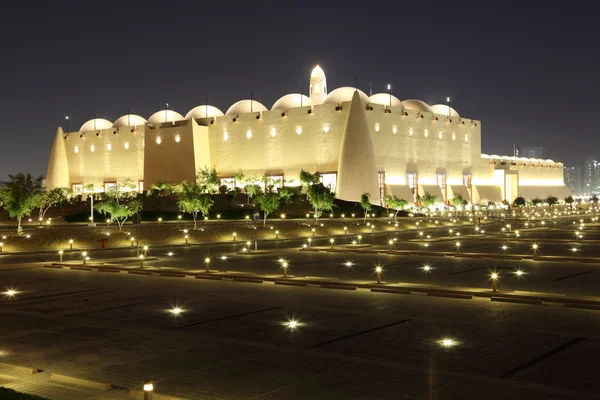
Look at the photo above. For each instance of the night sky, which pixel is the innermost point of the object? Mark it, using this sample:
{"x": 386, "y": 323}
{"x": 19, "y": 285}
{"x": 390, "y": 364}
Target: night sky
{"x": 530, "y": 71}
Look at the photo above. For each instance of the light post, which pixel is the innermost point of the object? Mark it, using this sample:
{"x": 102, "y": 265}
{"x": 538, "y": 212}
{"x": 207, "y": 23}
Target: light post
{"x": 389, "y": 88}
{"x": 60, "y": 255}
{"x": 67, "y": 122}
{"x": 378, "y": 271}
{"x": 207, "y": 262}
{"x": 494, "y": 281}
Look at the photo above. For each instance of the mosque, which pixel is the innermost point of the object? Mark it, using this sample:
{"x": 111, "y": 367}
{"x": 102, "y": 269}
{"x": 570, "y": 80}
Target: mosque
{"x": 376, "y": 144}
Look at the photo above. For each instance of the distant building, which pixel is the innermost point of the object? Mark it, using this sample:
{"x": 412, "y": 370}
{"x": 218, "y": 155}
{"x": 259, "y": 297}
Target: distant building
{"x": 359, "y": 144}
{"x": 573, "y": 179}
{"x": 591, "y": 175}
{"x": 532, "y": 152}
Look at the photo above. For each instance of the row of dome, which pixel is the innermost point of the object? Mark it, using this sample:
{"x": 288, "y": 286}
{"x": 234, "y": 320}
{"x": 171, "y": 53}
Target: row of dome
{"x": 286, "y": 102}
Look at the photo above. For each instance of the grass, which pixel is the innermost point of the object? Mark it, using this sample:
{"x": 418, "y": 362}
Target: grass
{"x": 10, "y": 394}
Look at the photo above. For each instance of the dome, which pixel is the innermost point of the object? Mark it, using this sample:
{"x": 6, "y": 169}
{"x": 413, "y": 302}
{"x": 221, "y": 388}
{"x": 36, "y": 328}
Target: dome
{"x": 343, "y": 94}
{"x": 243, "y": 107}
{"x": 164, "y": 116}
{"x": 129, "y": 120}
{"x": 291, "y": 100}
{"x": 317, "y": 72}
{"x": 417, "y": 105}
{"x": 384, "y": 99}
{"x": 205, "y": 111}
{"x": 96, "y": 124}
{"x": 442, "y": 109}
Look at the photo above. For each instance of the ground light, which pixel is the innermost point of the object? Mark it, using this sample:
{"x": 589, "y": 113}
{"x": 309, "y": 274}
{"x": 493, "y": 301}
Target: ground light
{"x": 224, "y": 258}
{"x": 519, "y": 273}
{"x": 427, "y": 268}
{"x": 176, "y": 310}
{"x": 447, "y": 342}
{"x": 170, "y": 254}
{"x": 504, "y": 247}
{"x": 292, "y": 324}
{"x": 348, "y": 264}
{"x": 10, "y": 292}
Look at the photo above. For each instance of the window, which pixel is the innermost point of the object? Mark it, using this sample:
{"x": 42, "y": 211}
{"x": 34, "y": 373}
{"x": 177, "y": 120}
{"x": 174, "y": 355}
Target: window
{"x": 109, "y": 186}
{"x": 467, "y": 181}
{"x": 177, "y": 138}
{"x": 298, "y": 129}
{"x": 126, "y": 145}
{"x": 376, "y": 126}
{"x": 412, "y": 180}
{"x": 273, "y": 132}
{"x": 317, "y": 88}
{"x": 381, "y": 176}
{"x": 325, "y": 128}
{"x": 229, "y": 182}
{"x": 76, "y": 149}
{"x": 441, "y": 182}
{"x": 394, "y": 129}
{"x": 77, "y": 188}
{"x": 249, "y": 134}
{"x": 466, "y": 138}
{"x": 426, "y": 132}
{"x": 329, "y": 180}
{"x": 226, "y": 136}
{"x": 92, "y": 148}
{"x": 410, "y": 131}
{"x": 158, "y": 140}
{"x": 441, "y": 135}
{"x": 109, "y": 147}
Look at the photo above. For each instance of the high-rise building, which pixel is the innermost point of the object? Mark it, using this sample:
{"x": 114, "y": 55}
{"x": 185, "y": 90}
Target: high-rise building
{"x": 591, "y": 175}
{"x": 573, "y": 179}
{"x": 532, "y": 152}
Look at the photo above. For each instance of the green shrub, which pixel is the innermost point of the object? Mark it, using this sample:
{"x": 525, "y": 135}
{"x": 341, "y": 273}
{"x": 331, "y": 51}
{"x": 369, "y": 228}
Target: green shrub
{"x": 10, "y": 394}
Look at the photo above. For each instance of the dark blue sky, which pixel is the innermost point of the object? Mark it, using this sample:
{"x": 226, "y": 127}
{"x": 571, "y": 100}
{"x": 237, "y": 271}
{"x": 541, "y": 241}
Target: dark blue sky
{"x": 530, "y": 71}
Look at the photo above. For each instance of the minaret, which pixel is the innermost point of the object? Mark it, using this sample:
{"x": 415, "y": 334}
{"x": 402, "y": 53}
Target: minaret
{"x": 357, "y": 170}
{"x": 58, "y": 167}
{"x": 318, "y": 86}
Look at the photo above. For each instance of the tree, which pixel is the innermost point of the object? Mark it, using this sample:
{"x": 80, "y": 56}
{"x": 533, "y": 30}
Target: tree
{"x": 208, "y": 179}
{"x": 319, "y": 196}
{"x": 551, "y": 200}
{"x": 519, "y": 202}
{"x": 50, "y": 198}
{"x": 18, "y": 196}
{"x": 252, "y": 190}
{"x": 120, "y": 203}
{"x": 536, "y": 201}
{"x": 192, "y": 199}
{"x": 458, "y": 201}
{"x": 160, "y": 190}
{"x": 569, "y": 200}
{"x": 365, "y": 203}
{"x": 395, "y": 203}
{"x": 118, "y": 210}
{"x": 428, "y": 200}
{"x": 269, "y": 202}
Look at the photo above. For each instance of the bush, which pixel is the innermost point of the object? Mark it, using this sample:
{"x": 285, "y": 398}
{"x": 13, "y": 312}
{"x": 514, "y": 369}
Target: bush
{"x": 10, "y": 394}
{"x": 222, "y": 189}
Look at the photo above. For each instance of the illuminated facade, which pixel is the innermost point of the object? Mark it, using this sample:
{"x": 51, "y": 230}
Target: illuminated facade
{"x": 359, "y": 144}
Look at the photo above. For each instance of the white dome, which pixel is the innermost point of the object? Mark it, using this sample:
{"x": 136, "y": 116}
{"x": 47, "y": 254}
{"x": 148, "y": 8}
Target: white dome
{"x": 384, "y": 98}
{"x": 205, "y": 111}
{"x": 292, "y": 100}
{"x": 343, "y": 94}
{"x": 129, "y": 120}
{"x": 96, "y": 124}
{"x": 245, "y": 106}
{"x": 442, "y": 109}
{"x": 317, "y": 72}
{"x": 165, "y": 116}
{"x": 417, "y": 105}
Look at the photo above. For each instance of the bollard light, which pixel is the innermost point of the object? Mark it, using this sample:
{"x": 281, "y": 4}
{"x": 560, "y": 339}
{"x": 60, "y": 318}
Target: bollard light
{"x": 218, "y": 217}
{"x": 359, "y": 237}
{"x": 10, "y": 293}
{"x": 145, "y": 250}
{"x": 313, "y": 231}
{"x": 207, "y": 262}
{"x": 494, "y": 277}
{"x": 421, "y": 235}
{"x": 70, "y": 244}
{"x": 132, "y": 240}
{"x": 332, "y": 240}
{"x": 457, "y": 247}
{"x": 378, "y": 271}
{"x": 141, "y": 261}
{"x": 159, "y": 220}
{"x": 277, "y": 234}
{"x": 345, "y": 229}
{"x": 60, "y": 255}
{"x": 170, "y": 254}
{"x": 535, "y": 248}
{"x": 390, "y": 243}
{"x": 309, "y": 242}
{"x": 84, "y": 255}
{"x": 284, "y": 266}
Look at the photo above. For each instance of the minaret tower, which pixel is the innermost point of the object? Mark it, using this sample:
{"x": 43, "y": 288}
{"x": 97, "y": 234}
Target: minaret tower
{"x": 318, "y": 85}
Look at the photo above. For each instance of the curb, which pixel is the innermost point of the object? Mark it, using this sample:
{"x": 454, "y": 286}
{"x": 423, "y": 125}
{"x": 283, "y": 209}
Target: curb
{"x": 518, "y": 301}
{"x": 18, "y": 369}
{"x": 68, "y": 380}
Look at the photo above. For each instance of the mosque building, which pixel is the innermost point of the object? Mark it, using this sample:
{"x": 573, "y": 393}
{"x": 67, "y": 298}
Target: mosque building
{"x": 359, "y": 144}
